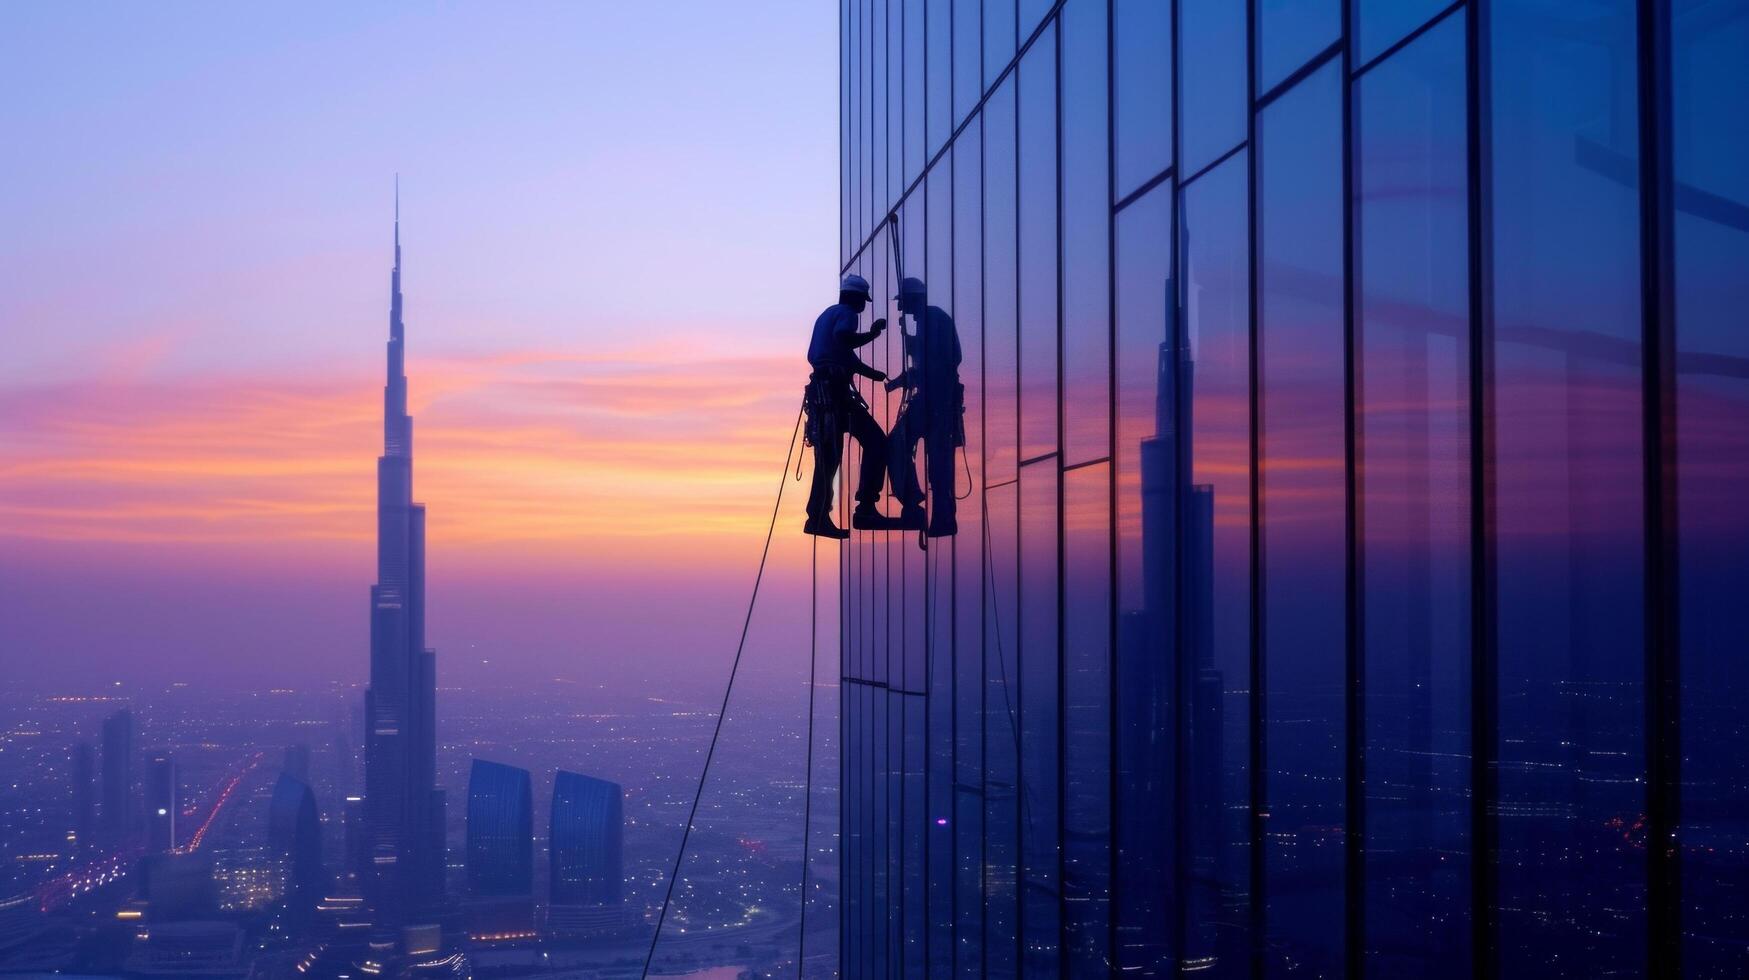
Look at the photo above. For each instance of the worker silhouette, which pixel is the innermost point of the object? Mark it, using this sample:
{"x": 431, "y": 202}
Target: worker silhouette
{"x": 835, "y": 408}
{"x": 933, "y": 412}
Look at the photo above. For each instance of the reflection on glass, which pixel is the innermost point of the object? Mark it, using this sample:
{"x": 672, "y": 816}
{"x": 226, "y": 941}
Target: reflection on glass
{"x": 1144, "y": 728}
{"x": 932, "y": 409}
{"x": 1040, "y": 748}
{"x": 1215, "y": 631}
{"x": 1413, "y": 457}
{"x": 1087, "y": 720}
{"x": 1302, "y": 513}
{"x": 1378, "y": 24}
{"x": 1712, "y": 459}
{"x": 1038, "y": 247}
{"x": 1291, "y": 33}
{"x": 1212, "y": 105}
{"x": 1004, "y": 806}
{"x": 1086, "y": 235}
{"x": 1141, "y": 90}
{"x": 1568, "y": 498}
{"x": 1001, "y": 353}
{"x": 968, "y": 566}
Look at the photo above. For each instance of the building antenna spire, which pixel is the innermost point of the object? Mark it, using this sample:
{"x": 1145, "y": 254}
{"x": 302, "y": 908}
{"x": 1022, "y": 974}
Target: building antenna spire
{"x": 397, "y": 217}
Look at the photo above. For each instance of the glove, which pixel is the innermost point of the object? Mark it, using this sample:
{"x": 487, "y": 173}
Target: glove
{"x": 878, "y": 327}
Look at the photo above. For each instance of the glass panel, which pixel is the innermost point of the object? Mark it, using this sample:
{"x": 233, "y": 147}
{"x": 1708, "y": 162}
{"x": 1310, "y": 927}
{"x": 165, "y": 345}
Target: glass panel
{"x": 1086, "y": 235}
{"x": 1412, "y": 335}
{"x": 968, "y": 73}
{"x": 1038, "y": 248}
{"x": 999, "y": 43}
{"x": 1712, "y": 456}
{"x": 1142, "y": 64}
{"x": 1215, "y": 656}
{"x": 1002, "y": 805}
{"x": 1378, "y": 24}
{"x": 1040, "y": 718}
{"x": 1290, "y": 33}
{"x": 1144, "y": 829}
{"x": 968, "y": 564}
{"x": 915, "y": 111}
{"x": 909, "y": 716}
{"x": 1302, "y": 482}
{"x": 1031, "y": 12}
{"x": 1087, "y": 720}
{"x": 938, "y": 608}
{"x": 1568, "y": 500}
{"x": 940, "y": 73}
{"x": 882, "y": 146}
{"x": 1001, "y": 357}
{"x": 1212, "y": 108}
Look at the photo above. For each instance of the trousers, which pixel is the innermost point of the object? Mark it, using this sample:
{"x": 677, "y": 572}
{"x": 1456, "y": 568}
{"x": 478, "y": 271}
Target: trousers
{"x": 853, "y": 417}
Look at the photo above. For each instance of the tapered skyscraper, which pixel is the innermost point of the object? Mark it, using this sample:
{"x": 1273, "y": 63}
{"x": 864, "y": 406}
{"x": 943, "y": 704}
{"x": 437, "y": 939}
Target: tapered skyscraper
{"x": 404, "y": 808}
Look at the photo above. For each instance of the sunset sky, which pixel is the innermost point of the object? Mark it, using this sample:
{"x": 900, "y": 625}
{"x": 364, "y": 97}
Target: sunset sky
{"x": 618, "y": 223}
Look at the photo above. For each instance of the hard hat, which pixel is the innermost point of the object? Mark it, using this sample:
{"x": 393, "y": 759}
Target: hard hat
{"x": 854, "y": 283}
{"x": 911, "y": 286}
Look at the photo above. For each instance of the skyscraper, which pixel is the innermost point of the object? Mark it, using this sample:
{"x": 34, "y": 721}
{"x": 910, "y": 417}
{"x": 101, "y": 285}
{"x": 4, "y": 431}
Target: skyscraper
{"x": 404, "y": 807}
{"x": 500, "y": 850}
{"x": 118, "y": 772}
{"x": 294, "y": 830}
{"x": 161, "y": 802}
{"x": 84, "y": 794}
{"x": 587, "y": 853}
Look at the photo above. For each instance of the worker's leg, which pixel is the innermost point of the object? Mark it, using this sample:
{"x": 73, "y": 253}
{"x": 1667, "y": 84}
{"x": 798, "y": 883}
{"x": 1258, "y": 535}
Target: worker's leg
{"x": 828, "y": 453}
{"x": 902, "y": 464}
{"x": 943, "y": 495}
{"x": 867, "y": 432}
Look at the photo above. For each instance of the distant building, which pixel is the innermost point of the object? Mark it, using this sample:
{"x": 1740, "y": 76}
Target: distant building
{"x": 178, "y": 887}
{"x": 500, "y": 851}
{"x": 297, "y": 760}
{"x": 84, "y": 794}
{"x": 118, "y": 772}
{"x": 587, "y": 854}
{"x": 403, "y": 876}
{"x": 294, "y": 831}
{"x": 188, "y": 949}
{"x": 161, "y": 802}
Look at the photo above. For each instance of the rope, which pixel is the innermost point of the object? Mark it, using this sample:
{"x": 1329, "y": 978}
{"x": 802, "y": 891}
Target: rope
{"x": 686, "y": 833}
{"x": 808, "y": 780}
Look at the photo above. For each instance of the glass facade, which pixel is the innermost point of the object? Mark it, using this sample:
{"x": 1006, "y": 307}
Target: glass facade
{"x": 1349, "y": 557}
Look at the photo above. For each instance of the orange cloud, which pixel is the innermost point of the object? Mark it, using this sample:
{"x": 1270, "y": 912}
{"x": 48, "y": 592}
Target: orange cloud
{"x": 527, "y": 452}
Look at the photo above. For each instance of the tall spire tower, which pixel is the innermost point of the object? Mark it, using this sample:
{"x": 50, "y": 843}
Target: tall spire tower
{"x": 404, "y": 863}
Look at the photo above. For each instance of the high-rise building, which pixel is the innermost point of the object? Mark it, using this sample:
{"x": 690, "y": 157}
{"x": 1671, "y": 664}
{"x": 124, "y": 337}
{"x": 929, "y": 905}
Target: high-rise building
{"x": 500, "y": 851}
{"x": 161, "y": 801}
{"x": 118, "y": 774}
{"x": 297, "y": 760}
{"x": 84, "y": 794}
{"x": 1349, "y": 557}
{"x": 404, "y": 808}
{"x": 294, "y": 832}
{"x": 586, "y": 854}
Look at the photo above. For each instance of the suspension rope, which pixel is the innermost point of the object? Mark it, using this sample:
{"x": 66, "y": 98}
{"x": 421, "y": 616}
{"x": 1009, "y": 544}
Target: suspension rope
{"x": 808, "y": 779}
{"x": 734, "y": 670}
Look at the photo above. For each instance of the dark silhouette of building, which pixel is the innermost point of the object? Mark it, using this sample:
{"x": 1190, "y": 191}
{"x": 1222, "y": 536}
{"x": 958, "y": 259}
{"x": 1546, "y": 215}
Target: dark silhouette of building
{"x": 587, "y": 854}
{"x": 118, "y": 772}
{"x": 500, "y": 851}
{"x": 297, "y": 760}
{"x": 84, "y": 794}
{"x": 404, "y": 808}
{"x": 294, "y": 831}
{"x": 161, "y": 801}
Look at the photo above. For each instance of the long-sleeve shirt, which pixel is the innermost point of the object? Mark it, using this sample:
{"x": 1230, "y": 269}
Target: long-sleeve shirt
{"x": 835, "y": 340}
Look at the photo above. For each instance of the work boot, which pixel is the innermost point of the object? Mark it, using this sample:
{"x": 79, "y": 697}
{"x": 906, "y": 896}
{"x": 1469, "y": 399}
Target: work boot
{"x": 868, "y": 518}
{"x": 943, "y": 527}
{"x": 823, "y": 527}
{"x": 912, "y": 518}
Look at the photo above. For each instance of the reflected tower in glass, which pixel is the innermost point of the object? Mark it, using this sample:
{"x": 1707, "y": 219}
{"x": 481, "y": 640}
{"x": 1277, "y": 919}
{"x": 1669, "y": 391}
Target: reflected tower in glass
{"x": 1347, "y": 556}
{"x": 500, "y": 851}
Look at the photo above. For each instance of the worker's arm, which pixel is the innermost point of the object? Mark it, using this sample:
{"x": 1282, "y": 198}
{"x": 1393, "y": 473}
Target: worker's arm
{"x": 854, "y": 340}
{"x": 866, "y": 371}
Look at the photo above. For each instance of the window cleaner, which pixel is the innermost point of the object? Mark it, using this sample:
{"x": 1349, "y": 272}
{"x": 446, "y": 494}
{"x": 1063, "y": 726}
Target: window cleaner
{"x": 835, "y": 408}
{"x": 932, "y": 410}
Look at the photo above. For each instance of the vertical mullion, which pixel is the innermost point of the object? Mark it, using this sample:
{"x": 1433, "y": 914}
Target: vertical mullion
{"x": 1062, "y": 577}
{"x": 1259, "y": 701}
{"x": 1662, "y": 649}
{"x": 1180, "y": 477}
{"x": 1484, "y": 641}
{"x": 1115, "y": 902}
{"x": 1354, "y": 721}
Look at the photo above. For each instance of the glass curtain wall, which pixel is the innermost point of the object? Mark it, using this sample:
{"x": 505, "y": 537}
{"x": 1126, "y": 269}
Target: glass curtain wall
{"x": 1348, "y": 562}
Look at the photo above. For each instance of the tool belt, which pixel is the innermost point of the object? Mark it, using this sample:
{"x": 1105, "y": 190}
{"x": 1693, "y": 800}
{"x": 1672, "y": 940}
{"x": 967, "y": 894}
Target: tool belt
{"x": 827, "y": 400}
